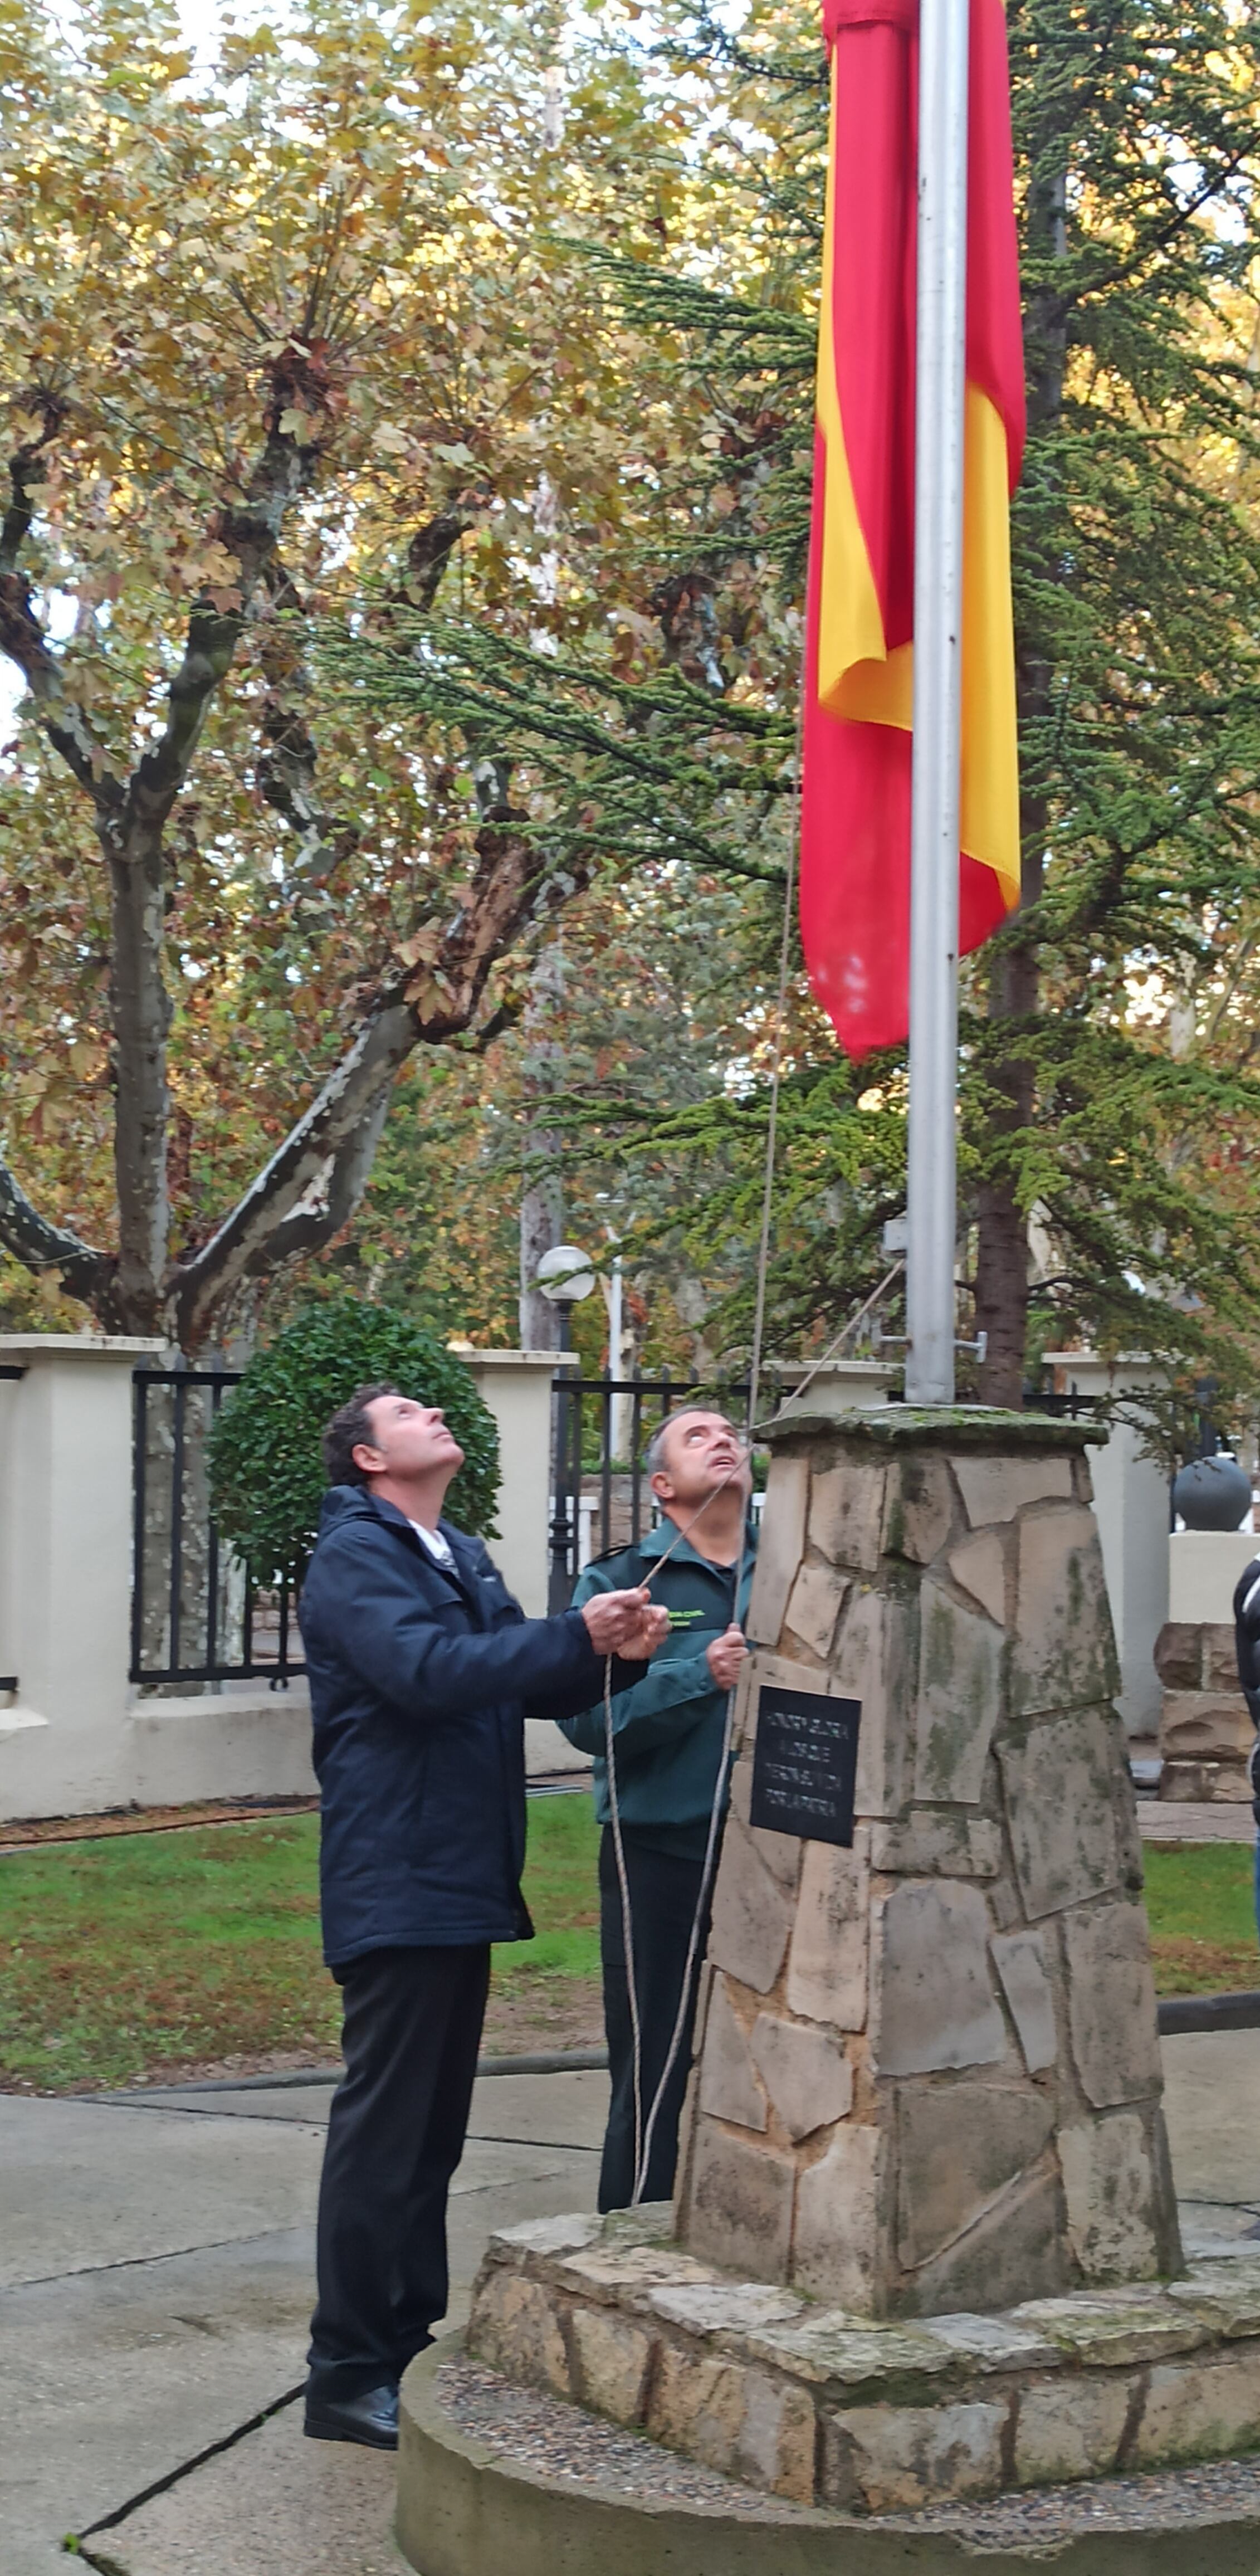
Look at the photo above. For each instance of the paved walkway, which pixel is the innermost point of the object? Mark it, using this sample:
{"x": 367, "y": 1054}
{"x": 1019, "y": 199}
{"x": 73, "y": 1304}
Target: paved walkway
{"x": 155, "y": 2286}
{"x": 155, "y": 2263}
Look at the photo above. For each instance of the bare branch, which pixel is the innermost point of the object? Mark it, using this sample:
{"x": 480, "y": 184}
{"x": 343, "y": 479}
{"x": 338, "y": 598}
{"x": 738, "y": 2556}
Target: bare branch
{"x": 313, "y": 1183}
{"x": 22, "y": 637}
{"x": 322, "y": 1138}
{"x": 286, "y": 769}
{"x": 24, "y": 474}
{"x": 507, "y": 888}
{"x": 331, "y": 1201}
{"x": 499, "y": 1021}
{"x": 248, "y": 532}
{"x": 430, "y": 551}
{"x": 40, "y": 1246}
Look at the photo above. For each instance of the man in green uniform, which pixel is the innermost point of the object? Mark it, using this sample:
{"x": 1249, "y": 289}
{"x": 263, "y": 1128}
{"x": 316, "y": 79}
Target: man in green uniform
{"x": 667, "y": 1735}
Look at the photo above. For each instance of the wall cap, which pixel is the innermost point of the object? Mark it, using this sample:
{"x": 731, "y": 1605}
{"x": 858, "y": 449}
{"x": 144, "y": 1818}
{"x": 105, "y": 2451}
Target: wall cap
{"x": 1107, "y": 1366}
{"x": 834, "y": 1368}
{"x": 946, "y": 1426}
{"x": 515, "y": 1359}
{"x": 80, "y": 1346}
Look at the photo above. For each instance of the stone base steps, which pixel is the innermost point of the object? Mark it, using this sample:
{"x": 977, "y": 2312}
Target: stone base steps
{"x": 495, "y": 2477}
{"x": 824, "y": 2408}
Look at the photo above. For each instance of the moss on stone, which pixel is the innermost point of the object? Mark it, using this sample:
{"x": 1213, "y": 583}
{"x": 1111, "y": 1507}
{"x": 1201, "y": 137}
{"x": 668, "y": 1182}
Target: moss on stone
{"x": 947, "y": 1426}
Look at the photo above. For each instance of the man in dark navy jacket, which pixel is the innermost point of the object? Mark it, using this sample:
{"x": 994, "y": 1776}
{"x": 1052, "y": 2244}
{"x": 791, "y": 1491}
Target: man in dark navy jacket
{"x": 1247, "y": 1649}
{"x": 422, "y": 1668}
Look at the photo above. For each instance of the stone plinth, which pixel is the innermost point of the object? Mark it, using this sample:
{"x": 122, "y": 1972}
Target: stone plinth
{"x": 1205, "y": 1730}
{"x": 927, "y": 2068}
{"x": 809, "y": 2402}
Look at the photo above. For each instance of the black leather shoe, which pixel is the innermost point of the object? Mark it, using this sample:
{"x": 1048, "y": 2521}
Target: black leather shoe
{"x": 370, "y": 2418}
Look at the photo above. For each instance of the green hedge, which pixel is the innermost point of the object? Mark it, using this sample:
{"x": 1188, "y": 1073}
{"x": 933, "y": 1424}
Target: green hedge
{"x": 266, "y": 1471}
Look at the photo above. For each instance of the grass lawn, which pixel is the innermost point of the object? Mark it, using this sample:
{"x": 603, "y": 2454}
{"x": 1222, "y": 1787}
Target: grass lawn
{"x": 1202, "y": 1918}
{"x": 147, "y": 1954}
{"x": 155, "y": 1954}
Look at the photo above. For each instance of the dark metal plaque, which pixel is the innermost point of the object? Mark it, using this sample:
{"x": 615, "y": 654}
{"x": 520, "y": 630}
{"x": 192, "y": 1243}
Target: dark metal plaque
{"x": 805, "y": 1763}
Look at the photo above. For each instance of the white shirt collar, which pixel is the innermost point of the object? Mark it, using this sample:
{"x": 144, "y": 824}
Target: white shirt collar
{"x": 437, "y": 1546}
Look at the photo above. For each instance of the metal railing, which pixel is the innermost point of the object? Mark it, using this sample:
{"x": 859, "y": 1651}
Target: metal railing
{"x": 591, "y": 1465}
{"x": 199, "y": 1615}
{"x": 197, "y": 1612}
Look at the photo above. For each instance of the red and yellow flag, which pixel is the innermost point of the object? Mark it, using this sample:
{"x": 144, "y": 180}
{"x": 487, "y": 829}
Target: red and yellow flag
{"x": 855, "y": 806}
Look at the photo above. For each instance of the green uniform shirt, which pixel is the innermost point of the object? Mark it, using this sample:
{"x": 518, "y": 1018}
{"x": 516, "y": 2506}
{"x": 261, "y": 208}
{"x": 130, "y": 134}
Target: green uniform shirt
{"x": 668, "y": 1729}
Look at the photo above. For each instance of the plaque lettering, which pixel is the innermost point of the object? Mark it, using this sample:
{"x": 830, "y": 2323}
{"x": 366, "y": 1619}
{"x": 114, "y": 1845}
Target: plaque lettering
{"x": 805, "y": 1764}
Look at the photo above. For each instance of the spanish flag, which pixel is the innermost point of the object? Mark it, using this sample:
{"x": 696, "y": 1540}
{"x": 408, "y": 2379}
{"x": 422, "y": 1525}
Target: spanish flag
{"x": 855, "y": 802}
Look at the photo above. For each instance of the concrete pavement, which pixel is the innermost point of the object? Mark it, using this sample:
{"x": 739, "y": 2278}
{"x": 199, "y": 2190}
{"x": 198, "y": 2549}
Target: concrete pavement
{"x": 156, "y": 2262}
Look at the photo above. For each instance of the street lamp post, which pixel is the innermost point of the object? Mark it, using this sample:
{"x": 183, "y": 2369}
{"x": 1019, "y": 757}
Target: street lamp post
{"x": 565, "y": 1277}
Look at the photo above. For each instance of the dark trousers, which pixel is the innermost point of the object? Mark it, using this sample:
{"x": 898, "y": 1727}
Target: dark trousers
{"x": 664, "y": 1892}
{"x": 410, "y": 2038}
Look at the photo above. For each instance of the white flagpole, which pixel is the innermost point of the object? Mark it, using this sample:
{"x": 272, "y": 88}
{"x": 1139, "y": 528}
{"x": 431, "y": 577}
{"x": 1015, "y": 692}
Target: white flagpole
{"x": 938, "y": 501}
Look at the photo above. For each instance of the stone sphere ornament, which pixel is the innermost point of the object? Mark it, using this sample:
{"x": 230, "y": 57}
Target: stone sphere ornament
{"x": 1212, "y": 1493}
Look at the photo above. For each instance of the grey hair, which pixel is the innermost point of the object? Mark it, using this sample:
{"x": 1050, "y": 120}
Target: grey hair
{"x": 654, "y": 1454}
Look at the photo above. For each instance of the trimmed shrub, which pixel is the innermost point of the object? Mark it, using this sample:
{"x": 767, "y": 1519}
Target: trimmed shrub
{"x": 267, "y": 1478}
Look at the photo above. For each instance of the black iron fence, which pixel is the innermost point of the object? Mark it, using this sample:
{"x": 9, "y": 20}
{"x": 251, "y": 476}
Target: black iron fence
{"x": 198, "y": 1614}
{"x": 601, "y": 1427}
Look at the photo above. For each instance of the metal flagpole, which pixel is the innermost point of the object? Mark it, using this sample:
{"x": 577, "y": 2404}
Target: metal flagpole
{"x": 944, "y": 30}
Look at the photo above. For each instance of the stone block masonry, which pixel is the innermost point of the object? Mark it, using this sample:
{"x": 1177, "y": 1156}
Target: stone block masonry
{"x": 821, "y": 2405}
{"x": 927, "y": 2069}
{"x": 925, "y": 2243}
{"x": 1205, "y": 1730}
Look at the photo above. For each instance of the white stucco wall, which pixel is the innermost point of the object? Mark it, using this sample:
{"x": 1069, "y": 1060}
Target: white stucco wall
{"x": 517, "y": 1387}
{"x": 1131, "y": 1504}
{"x": 65, "y": 1585}
{"x": 839, "y": 1385}
{"x": 75, "y": 1737}
{"x": 1203, "y": 1567}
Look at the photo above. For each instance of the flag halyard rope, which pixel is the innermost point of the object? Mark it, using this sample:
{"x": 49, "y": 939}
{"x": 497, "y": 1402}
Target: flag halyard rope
{"x": 644, "y": 2128}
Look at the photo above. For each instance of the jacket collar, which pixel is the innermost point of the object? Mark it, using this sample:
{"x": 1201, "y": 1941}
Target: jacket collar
{"x": 390, "y": 1513}
{"x": 655, "y": 1541}
{"x": 457, "y": 1540}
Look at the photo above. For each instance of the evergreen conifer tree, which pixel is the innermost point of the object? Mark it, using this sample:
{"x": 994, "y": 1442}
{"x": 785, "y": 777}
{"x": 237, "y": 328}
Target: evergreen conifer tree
{"x": 1108, "y": 1095}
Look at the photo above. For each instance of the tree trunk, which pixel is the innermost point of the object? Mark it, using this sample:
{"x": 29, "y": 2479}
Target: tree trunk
{"x": 140, "y": 1008}
{"x": 542, "y": 1204}
{"x": 541, "y": 1227}
{"x": 1001, "y": 1294}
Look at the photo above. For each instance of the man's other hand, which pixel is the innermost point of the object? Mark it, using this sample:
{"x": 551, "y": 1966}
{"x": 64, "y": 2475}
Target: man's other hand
{"x": 725, "y": 1656}
{"x": 626, "y": 1624}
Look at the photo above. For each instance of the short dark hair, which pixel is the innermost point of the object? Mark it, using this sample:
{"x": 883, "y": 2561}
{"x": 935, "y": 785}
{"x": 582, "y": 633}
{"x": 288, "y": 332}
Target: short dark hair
{"x": 350, "y": 1426}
